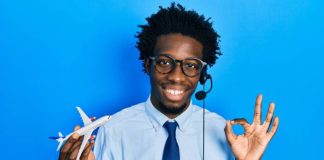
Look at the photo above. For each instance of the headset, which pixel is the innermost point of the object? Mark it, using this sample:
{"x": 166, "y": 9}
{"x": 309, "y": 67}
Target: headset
{"x": 204, "y": 76}
{"x": 201, "y": 95}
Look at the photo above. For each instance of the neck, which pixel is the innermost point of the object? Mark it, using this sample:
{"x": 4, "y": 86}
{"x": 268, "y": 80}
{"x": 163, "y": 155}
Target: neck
{"x": 169, "y": 111}
{"x": 171, "y": 116}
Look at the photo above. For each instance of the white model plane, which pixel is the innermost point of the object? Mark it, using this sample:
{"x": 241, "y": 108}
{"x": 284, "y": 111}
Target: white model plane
{"x": 89, "y": 126}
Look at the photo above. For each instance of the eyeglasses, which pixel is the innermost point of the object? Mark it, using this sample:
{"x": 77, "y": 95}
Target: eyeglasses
{"x": 191, "y": 67}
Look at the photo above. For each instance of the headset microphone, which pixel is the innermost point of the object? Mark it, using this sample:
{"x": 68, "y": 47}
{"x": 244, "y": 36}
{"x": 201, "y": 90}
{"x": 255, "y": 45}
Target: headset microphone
{"x": 200, "y": 95}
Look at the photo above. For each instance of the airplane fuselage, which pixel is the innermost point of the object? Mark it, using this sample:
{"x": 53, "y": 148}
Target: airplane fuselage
{"x": 92, "y": 126}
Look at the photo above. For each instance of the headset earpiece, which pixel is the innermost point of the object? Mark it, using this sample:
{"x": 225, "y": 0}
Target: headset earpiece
{"x": 200, "y": 95}
{"x": 203, "y": 76}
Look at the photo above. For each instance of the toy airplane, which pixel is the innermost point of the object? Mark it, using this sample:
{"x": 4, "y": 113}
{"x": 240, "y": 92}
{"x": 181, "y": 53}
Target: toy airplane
{"x": 89, "y": 126}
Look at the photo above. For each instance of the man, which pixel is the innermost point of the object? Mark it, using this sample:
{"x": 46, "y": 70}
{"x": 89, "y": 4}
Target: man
{"x": 175, "y": 46}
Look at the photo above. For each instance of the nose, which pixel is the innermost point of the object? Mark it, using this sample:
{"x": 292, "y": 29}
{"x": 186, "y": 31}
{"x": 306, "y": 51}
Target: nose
{"x": 177, "y": 75}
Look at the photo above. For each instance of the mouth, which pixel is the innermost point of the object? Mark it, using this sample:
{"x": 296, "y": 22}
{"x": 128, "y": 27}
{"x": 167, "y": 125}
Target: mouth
{"x": 174, "y": 94}
{"x": 174, "y": 91}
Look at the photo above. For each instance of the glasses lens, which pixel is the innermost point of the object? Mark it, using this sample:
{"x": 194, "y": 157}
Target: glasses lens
{"x": 191, "y": 67}
{"x": 164, "y": 64}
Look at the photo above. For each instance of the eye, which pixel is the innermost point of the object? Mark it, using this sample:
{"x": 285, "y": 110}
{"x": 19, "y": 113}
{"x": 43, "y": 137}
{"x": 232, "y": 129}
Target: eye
{"x": 163, "y": 62}
{"x": 191, "y": 65}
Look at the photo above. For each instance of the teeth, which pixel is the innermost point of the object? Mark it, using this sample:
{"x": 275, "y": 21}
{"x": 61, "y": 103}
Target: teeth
{"x": 174, "y": 92}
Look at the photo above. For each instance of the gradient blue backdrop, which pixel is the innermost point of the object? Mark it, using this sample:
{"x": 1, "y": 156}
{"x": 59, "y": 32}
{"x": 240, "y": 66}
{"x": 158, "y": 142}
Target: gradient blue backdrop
{"x": 57, "y": 54}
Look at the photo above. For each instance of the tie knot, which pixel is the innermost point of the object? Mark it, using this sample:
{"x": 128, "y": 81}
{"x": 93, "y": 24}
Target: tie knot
{"x": 170, "y": 127}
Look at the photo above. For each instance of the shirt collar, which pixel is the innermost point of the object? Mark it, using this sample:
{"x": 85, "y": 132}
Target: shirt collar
{"x": 158, "y": 119}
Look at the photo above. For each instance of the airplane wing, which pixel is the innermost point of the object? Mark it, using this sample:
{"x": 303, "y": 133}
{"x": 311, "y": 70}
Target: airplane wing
{"x": 86, "y": 120}
{"x": 84, "y": 142}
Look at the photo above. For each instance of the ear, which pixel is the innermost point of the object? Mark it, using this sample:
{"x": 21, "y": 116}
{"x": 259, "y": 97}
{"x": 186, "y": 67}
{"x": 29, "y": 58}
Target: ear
{"x": 147, "y": 65}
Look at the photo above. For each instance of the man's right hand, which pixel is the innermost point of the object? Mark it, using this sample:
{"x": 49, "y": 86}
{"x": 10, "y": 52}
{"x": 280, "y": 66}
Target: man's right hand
{"x": 71, "y": 148}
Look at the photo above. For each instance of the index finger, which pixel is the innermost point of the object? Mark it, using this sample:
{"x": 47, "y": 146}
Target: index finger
{"x": 257, "y": 110}
{"x": 69, "y": 143}
{"x": 244, "y": 123}
{"x": 87, "y": 151}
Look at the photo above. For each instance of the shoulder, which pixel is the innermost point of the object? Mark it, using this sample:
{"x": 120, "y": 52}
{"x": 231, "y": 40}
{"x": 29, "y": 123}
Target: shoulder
{"x": 129, "y": 113}
{"x": 214, "y": 127}
{"x": 213, "y": 121}
{"x": 209, "y": 116}
{"x": 126, "y": 117}
{"x": 110, "y": 134}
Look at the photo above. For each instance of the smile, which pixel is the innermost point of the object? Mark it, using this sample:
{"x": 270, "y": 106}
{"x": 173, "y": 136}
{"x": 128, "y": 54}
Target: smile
{"x": 174, "y": 91}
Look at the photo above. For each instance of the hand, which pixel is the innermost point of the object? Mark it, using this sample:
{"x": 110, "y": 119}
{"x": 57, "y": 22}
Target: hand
{"x": 252, "y": 144}
{"x": 71, "y": 148}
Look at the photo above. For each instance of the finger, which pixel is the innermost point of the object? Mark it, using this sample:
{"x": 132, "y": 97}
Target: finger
{"x": 257, "y": 110}
{"x": 274, "y": 128}
{"x": 241, "y": 121}
{"x": 268, "y": 119}
{"x": 77, "y": 144}
{"x": 244, "y": 123}
{"x": 75, "y": 149}
{"x": 91, "y": 156}
{"x": 66, "y": 149}
{"x": 87, "y": 151}
{"x": 230, "y": 135}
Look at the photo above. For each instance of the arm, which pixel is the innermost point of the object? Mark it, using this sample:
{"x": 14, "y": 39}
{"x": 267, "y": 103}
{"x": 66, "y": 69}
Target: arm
{"x": 252, "y": 144}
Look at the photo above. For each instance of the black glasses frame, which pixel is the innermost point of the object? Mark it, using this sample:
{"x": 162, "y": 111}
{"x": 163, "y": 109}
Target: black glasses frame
{"x": 175, "y": 61}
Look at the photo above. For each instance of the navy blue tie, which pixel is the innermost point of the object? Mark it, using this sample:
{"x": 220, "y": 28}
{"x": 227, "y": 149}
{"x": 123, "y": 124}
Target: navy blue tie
{"x": 171, "y": 148}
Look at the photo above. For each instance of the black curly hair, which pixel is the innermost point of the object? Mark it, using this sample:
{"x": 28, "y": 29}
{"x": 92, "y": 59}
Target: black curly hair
{"x": 176, "y": 19}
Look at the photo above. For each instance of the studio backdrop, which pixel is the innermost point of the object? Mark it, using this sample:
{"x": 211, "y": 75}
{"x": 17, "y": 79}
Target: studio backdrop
{"x": 59, "y": 54}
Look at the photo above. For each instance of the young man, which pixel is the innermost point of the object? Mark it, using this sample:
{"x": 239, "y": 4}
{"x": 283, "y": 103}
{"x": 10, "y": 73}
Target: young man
{"x": 175, "y": 46}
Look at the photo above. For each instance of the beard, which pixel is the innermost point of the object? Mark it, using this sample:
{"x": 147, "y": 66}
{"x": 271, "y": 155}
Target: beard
{"x": 171, "y": 109}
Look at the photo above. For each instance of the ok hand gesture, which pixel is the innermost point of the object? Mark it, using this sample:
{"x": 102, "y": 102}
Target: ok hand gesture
{"x": 252, "y": 144}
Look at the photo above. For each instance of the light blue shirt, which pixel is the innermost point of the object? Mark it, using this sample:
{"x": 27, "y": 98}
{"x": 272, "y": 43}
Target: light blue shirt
{"x": 137, "y": 133}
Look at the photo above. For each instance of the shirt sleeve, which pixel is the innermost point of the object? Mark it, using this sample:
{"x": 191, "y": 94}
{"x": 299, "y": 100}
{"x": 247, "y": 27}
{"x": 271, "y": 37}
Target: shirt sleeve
{"x": 102, "y": 148}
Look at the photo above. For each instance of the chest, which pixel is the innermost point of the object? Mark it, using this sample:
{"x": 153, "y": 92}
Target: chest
{"x": 148, "y": 144}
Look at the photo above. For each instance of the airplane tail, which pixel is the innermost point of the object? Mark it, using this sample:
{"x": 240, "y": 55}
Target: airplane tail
{"x": 59, "y": 139}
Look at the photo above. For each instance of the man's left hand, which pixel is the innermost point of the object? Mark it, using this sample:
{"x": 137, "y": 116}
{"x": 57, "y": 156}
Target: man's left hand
{"x": 252, "y": 144}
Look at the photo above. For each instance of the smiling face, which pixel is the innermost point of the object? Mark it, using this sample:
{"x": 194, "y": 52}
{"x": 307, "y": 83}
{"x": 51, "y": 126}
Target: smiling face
{"x": 171, "y": 92}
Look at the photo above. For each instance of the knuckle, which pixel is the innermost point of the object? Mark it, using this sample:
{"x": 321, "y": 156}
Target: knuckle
{"x": 72, "y": 158}
{"x": 72, "y": 139}
{"x": 64, "y": 151}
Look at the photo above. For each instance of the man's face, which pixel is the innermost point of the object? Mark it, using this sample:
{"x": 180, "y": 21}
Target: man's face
{"x": 171, "y": 92}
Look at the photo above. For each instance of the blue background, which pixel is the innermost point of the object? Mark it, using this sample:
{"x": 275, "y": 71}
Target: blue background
{"x": 57, "y": 54}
